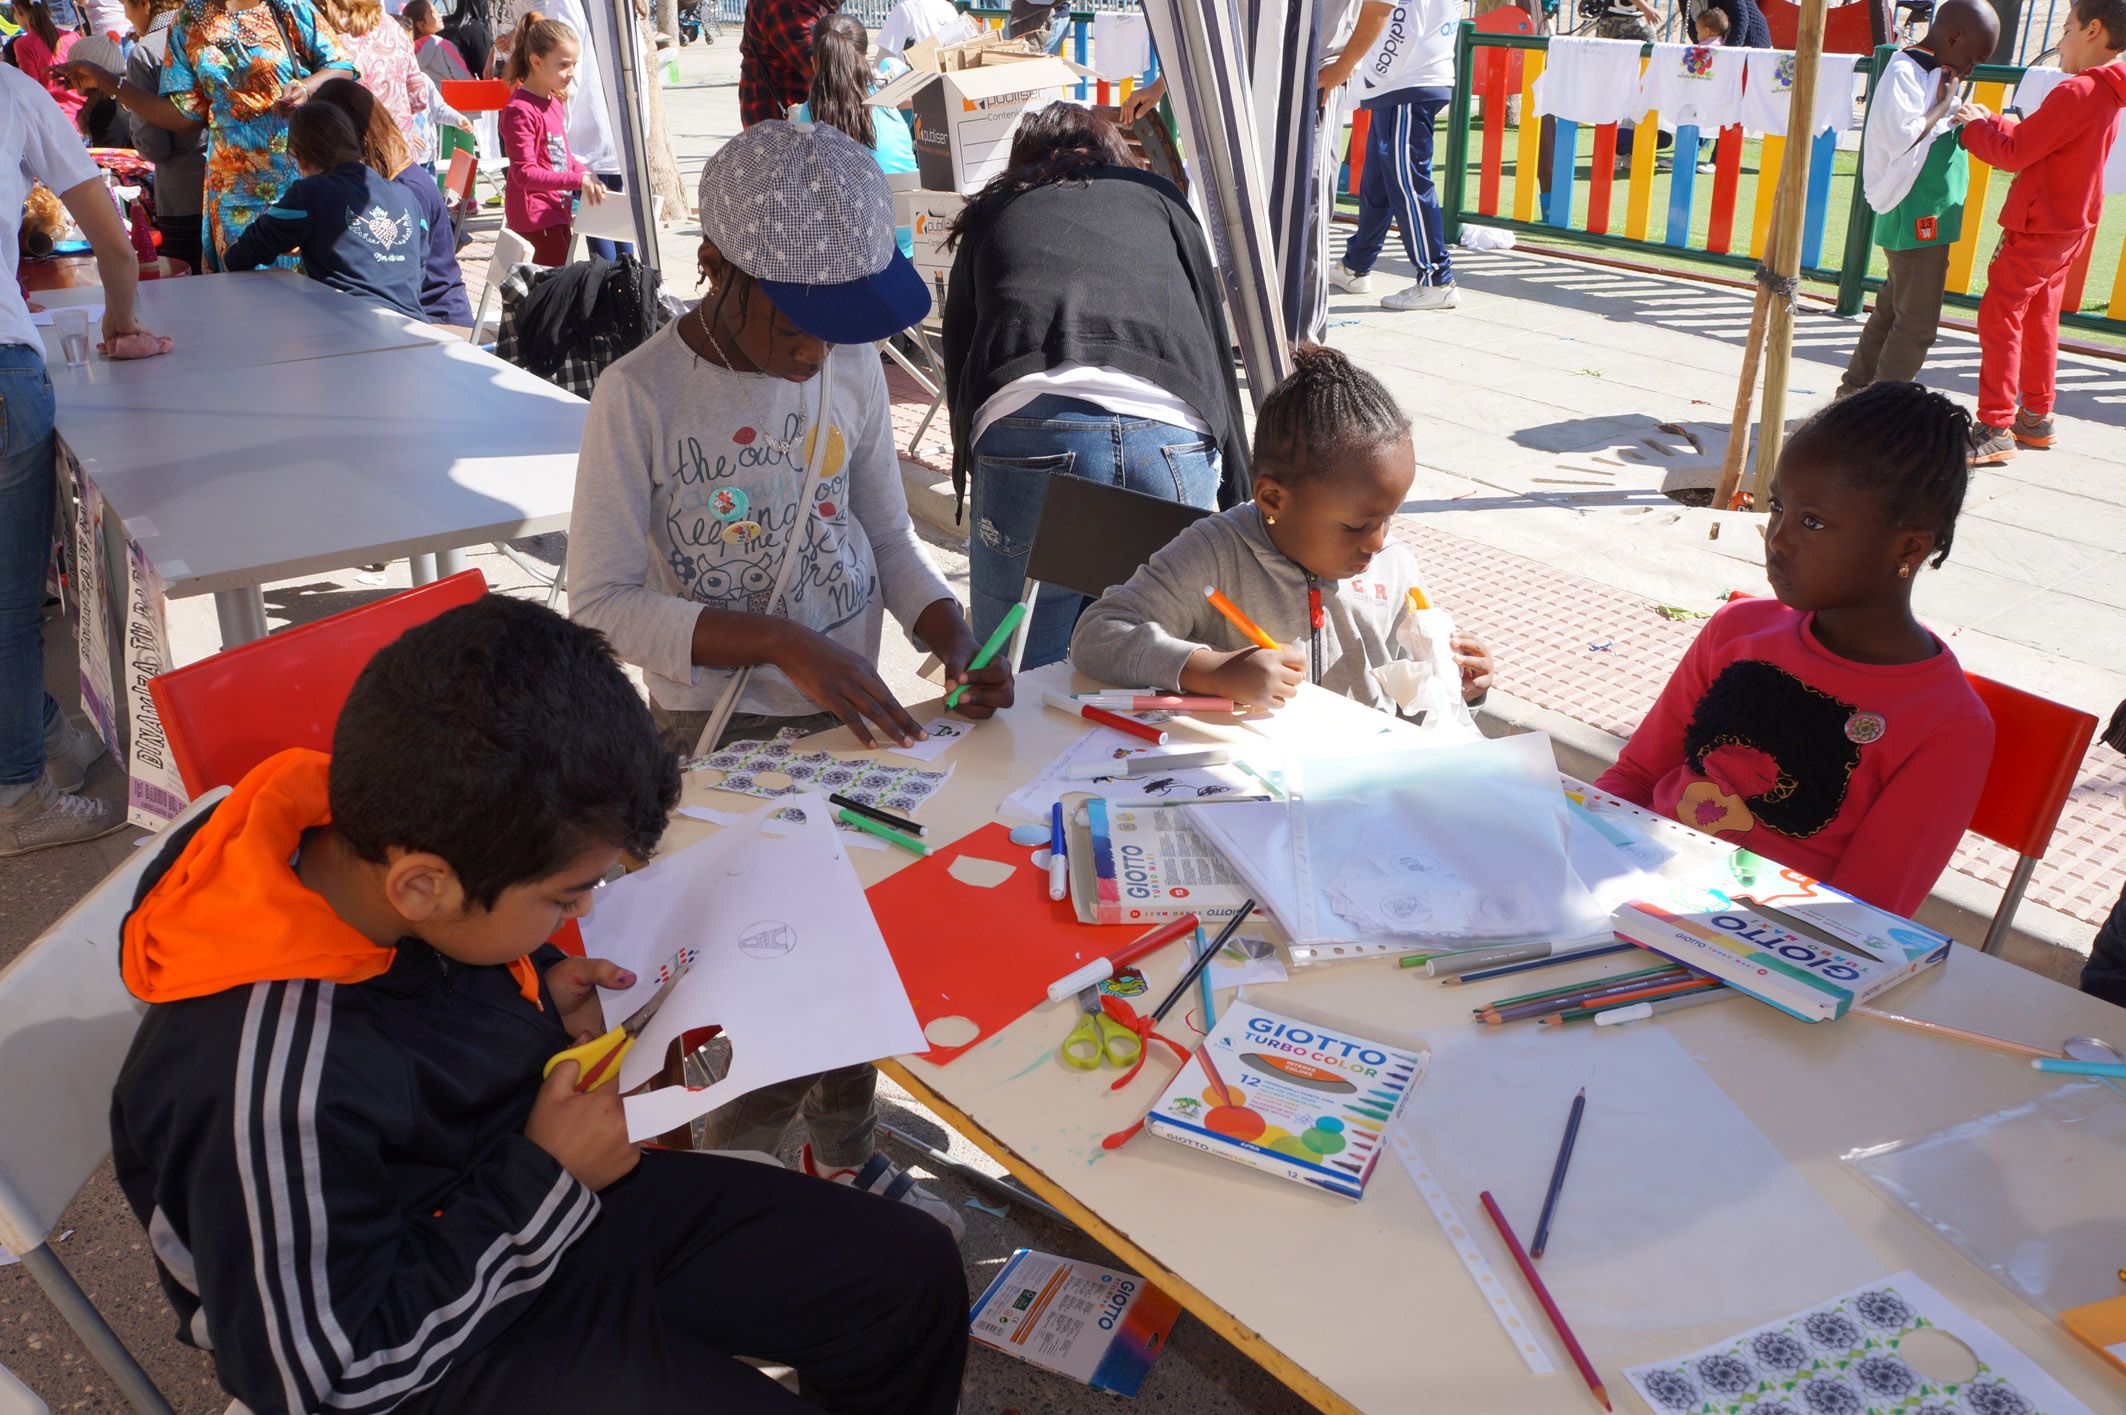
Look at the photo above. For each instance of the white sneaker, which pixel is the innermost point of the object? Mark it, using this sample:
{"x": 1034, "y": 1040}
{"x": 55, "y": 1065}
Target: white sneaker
{"x": 1350, "y": 281}
{"x": 1421, "y": 296}
{"x": 1707, "y": 168}
{"x": 884, "y": 1178}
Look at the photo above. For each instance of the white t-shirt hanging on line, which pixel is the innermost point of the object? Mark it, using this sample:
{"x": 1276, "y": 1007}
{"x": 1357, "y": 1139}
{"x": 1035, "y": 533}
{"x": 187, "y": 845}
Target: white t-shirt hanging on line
{"x": 50, "y": 152}
{"x": 1767, "y": 96}
{"x": 1590, "y": 81}
{"x": 1694, "y": 85}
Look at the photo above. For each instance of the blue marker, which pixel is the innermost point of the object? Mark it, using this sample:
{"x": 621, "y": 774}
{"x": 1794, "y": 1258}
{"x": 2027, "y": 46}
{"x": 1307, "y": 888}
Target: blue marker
{"x": 1058, "y": 868}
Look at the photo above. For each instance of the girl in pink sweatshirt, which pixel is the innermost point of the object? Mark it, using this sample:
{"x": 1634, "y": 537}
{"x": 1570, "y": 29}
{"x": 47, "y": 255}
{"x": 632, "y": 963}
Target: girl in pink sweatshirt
{"x": 539, "y": 194}
{"x": 1827, "y": 729}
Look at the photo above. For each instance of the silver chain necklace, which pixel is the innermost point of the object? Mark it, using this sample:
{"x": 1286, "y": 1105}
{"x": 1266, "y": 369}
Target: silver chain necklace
{"x": 783, "y": 445}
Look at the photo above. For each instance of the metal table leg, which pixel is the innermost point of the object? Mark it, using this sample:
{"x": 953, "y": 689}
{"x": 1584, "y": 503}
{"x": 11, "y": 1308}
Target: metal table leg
{"x": 242, "y": 614}
{"x": 450, "y": 562}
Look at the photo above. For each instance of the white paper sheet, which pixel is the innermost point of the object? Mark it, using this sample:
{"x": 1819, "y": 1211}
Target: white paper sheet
{"x": 782, "y": 822}
{"x": 1678, "y": 1223}
{"x": 787, "y": 960}
{"x": 1054, "y": 781}
{"x": 944, "y": 733}
{"x": 1853, "y": 1354}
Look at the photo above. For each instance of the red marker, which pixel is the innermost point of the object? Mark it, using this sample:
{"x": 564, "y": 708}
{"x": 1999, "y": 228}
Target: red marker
{"x": 1063, "y": 703}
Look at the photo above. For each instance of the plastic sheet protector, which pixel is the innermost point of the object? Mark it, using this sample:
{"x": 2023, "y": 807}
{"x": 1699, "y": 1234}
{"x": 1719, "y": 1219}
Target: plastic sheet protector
{"x": 2035, "y": 1194}
{"x": 1679, "y": 1223}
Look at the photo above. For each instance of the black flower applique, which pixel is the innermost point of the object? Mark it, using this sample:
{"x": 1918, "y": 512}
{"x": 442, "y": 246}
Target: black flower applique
{"x": 1883, "y": 1309}
{"x": 1827, "y": 1395}
{"x": 1884, "y": 1377}
{"x": 682, "y": 567}
{"x": 1671, "y": 1390}
{"x": 1778, "y": 1350}
{"x": 1833, "y": 1331}
{"x": 1724, "y": 1373}
{"x": 1994, "y": 1398}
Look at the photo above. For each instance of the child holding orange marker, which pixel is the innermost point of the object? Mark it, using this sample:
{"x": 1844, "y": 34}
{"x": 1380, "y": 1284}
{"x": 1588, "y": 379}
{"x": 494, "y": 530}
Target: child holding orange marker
{"x": 1317, "y": 586}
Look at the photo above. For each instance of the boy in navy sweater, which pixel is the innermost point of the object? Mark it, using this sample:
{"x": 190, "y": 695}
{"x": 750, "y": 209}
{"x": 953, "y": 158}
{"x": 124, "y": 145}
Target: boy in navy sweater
{"x": 356, "y": 231}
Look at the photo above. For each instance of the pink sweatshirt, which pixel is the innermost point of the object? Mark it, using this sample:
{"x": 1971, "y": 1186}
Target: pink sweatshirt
{"x": 544, "y": 175}
{"x": 1861, "y": 775}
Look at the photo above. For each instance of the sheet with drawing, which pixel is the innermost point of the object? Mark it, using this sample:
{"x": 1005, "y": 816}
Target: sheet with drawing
{"x": 1890, "y": 1347}
{"x": 941, "y": 734}
{"x": 1054, "y": 781}
{"x": 774, "y": 767}
{"x": 1678, "y": 1223}
{"x": 798, "y": 978}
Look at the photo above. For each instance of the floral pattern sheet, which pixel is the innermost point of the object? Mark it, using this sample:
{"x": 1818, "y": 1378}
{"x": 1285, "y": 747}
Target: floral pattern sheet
{"x": 1849, "y": 1356}
{"x": 886, "y": 785}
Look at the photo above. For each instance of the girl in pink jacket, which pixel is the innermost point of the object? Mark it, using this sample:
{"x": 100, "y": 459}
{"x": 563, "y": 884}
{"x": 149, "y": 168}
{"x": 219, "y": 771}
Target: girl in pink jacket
{"x": 539, "y": 194}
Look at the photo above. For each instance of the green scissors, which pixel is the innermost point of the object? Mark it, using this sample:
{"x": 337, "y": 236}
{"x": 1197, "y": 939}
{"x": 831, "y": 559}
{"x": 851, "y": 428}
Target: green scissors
{"x": 1098, "y": 1037}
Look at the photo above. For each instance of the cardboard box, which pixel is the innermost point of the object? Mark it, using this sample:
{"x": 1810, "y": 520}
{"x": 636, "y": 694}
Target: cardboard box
{"x": 966, "y": 101}
{"x": 928, "y": 216}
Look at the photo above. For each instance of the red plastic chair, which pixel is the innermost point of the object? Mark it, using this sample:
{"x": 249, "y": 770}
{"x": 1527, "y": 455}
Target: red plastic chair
{"x": 226, "y": 714}
{"x": 2038, "y": 747}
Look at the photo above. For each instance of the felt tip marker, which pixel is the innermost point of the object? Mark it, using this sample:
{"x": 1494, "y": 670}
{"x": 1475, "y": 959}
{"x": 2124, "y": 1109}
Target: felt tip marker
{"x": 1155, "y": 702}
{"x": 1058, "y": 867}
{"x": 884, "y": 832}
{"x": 1237, "y": 618}
{"x": 1064, "y": 703}
{"x": 1101, "y": 969}
{"x": 996, "y": 640}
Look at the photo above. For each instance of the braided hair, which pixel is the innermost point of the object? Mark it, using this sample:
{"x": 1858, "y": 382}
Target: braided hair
{"x": 1908, "y": 446}
{"x": 1316, "y": 420}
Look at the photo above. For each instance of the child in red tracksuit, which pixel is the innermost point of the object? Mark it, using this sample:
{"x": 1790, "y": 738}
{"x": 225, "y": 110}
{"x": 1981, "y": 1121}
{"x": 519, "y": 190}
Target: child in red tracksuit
{"x": 545, "y": 178}
{"x": 2058, "y": 155}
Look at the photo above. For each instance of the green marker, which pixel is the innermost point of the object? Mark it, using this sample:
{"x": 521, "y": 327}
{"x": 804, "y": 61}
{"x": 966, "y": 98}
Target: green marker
{"x": 884, "y": 832}
{"x": 1417, "y": 960}
{"x": 997, "y": 640}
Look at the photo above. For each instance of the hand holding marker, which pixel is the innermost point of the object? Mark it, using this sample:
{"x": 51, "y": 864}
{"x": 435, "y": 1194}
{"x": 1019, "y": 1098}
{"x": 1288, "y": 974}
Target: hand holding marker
{"x": 997, "y": 639}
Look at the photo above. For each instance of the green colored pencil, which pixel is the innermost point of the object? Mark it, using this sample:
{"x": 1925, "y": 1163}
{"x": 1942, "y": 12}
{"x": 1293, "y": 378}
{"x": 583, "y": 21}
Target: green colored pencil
{"x": 1577, "y": 987}
{"x": 1581, "y": 1014}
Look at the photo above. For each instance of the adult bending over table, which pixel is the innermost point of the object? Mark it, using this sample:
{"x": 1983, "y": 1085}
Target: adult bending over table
{"x": 1084, "y": 336}
{"x": 705, "y": 485}
{"x": 235, "y": 67}
{"x": 44, "y": 758}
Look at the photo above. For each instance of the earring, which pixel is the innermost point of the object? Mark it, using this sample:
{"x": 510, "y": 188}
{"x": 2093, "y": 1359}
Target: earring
{"x": 1269, "y": 520}
{"x": 1904, "y": 572}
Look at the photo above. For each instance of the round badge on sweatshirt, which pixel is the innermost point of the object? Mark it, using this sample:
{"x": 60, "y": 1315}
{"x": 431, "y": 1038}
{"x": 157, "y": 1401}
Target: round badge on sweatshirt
{"x": 1865, "y": 727}
{"x": 729, "y": 503}
{"x": 739, "y": 531}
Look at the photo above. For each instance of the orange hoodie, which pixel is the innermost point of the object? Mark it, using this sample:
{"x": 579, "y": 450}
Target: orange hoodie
{"x": 230, "y": 910}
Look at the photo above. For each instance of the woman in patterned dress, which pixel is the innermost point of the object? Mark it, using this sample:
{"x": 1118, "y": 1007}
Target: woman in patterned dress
{"x": 382, "y": 54}
{"x": 234, "y": 67}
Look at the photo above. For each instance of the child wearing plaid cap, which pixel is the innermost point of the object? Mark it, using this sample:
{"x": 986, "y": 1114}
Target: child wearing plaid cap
{"x": 740, "y": 531}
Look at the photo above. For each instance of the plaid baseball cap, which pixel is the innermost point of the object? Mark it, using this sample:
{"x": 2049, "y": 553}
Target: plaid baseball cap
{"x": 804, "y": 210}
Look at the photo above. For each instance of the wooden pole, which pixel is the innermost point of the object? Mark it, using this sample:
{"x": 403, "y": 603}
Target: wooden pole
{"x": 1786, "y": 249}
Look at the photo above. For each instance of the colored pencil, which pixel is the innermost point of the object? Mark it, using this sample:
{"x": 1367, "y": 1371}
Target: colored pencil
{"x": 996, "y": 640}
{"x": 882, "y": 817}
{"x": 1470, "y": 959}
{"x": 1203, "y": 960}
{"x": 1576, "y": 987}
{"x": 1572, "y": 997}
{"x": 1203, "y": 981}
{"x": 1595, "y": 997}
{"x": 1557, "y": 1175}
{"x": 2066, "y": 1066}
{"x": 1553, "y": 959}
{"x": 1957, "y": 1034}
{"x": 1581, "y": 1014}
{"x": 1239, "y": 620}
{"x": 1640, "y": 1011}
{"x": 1542, "y": 1295}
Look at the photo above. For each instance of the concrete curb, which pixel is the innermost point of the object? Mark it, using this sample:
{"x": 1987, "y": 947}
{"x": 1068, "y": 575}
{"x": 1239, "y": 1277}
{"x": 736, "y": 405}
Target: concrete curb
{"x": 930, "y": 497}
{"x": 2043, "y": 940}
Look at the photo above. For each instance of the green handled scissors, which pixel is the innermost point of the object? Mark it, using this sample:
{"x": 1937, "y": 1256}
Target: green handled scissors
{"x": 1098, "y": 1037}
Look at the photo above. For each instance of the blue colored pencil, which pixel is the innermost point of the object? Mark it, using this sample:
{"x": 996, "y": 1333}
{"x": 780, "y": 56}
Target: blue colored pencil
{"x": 1556, "y": 958}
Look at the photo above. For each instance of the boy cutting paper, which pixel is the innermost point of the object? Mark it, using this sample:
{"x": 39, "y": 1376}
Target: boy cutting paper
{"x": 2057, "y": 155}
{"x": 360, "y": 1194}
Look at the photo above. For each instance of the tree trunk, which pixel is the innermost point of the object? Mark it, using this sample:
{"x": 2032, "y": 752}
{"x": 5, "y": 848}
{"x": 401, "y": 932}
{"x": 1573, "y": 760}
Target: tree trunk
{"x": 665, "y": 180}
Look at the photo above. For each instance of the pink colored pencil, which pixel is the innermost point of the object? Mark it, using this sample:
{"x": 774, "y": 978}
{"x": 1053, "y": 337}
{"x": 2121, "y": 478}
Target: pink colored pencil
{"x": 1542, "y": 1295}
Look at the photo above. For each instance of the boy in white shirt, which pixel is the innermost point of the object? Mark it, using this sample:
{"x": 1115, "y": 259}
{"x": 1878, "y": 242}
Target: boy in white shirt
{"x": 1404, "y": 80}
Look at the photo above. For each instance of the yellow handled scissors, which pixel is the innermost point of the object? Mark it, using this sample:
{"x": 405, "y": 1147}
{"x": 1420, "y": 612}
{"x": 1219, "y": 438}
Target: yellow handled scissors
{"x": 1098, "y": 1037}
{"x": 599, "y": 1058}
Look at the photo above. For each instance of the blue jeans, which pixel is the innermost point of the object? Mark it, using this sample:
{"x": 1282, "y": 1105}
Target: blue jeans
{"x": 1396, "y": 187}
{"x": 1067, "y": 437}
{"x": 598, "y": 245}
{"x": 27, "y": 489}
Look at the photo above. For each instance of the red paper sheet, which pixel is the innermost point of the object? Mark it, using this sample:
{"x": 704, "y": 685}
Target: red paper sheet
{"x": 987, "y": 955}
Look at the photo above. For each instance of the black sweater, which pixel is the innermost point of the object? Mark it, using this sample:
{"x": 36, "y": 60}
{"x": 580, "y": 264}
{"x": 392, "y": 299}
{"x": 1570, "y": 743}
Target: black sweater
{"x": 1112, "y": 271}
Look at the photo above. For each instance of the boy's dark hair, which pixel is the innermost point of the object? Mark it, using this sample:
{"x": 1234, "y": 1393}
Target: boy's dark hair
{"x": 504, "y": 739}
{"x": 1909, "y": 446}
{"x": 2111, "y": 14}
{"x": 1328, "y": 409}
{"x": 321, "y": 138}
